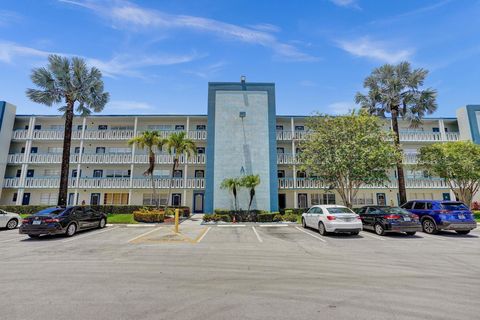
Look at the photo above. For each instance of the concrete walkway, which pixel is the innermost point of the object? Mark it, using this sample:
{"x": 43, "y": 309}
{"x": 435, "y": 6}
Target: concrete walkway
{"x": 194, "y": 220}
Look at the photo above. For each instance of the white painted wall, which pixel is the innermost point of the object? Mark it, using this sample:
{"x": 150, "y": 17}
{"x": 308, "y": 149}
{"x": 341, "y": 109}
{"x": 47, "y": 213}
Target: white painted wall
{"x": 463, "y": 124}
{"x": 5, "y": 138}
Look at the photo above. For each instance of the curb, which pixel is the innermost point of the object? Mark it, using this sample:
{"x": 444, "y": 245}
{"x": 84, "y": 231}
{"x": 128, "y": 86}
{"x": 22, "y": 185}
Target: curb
{"x": 123, "y": 225}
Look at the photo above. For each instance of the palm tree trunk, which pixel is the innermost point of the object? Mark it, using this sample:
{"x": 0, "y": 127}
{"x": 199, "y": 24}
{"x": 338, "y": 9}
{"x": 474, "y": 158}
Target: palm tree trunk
{"x": 175, "y": 160}
{"x": 67, "y": 141}
{"x": 401, "y": 177}
{"x": 151, "y": 159}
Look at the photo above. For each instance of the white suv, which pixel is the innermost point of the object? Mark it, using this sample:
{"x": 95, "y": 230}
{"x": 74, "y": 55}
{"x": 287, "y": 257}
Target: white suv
{"x": 332, "y": 218}
{"x": 9, "y": 220}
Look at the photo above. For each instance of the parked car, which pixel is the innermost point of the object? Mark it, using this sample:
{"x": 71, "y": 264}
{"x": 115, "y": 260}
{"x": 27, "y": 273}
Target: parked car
{"x": 9, "y": 220}
{"x": 438, "y": 215}
{"x": 332, "y": 218}
{"x": 383, "y": 219}
{"x": 62, "y": 220}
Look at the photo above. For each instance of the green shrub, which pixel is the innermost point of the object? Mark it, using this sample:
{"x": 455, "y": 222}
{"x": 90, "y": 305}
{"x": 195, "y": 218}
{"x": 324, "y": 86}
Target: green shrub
{"x": 24, "y": 209}
{"x": 146, "y": 215}
{"x": 290, "y": 217}
{"x": 265, "y": 217}
{"x": 217, "y": 217}
{"x": 277, "y": 217}
{"x": 107, "y": 209}
{"x": 293, "y": 210}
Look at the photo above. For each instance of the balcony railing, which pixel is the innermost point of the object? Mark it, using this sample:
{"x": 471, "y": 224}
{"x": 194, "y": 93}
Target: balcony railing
{"x": 108, "y": 134}
{"x": 411, "y": 183}
{"x": 107, "y": 183}
{"x": 286, "y": 158}
{"x": 168, "y": 159}
{"x": 405, "y": 136}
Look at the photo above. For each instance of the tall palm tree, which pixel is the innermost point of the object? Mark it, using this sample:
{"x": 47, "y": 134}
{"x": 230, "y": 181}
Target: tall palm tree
{"x": 149, "y": 140}
{"x": 395, "y": 90}
{"x": 68, "y": 81}
{"x": 177, "y": 144}
{"x": 250, "y": 182}
{"x": 232, "y": 185}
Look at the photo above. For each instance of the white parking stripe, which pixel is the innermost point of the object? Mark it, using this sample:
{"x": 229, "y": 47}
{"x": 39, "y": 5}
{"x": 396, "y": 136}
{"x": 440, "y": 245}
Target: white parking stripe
{"x": 203, "y": 235}
{"x": 144, "y": 234}
{"x": 312, "y": 235}
{"x": 426, "y": 235}
{"x": 231, "y": 225}
{"x": 258, "y": 236}
{"x": 9, "y": 240}
{"x": 273, "y": 225}
{"x": 372, "y": 236}
{"x": 90, "y": 234}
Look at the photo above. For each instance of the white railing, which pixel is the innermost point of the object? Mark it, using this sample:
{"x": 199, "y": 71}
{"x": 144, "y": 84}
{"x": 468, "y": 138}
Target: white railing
{"x": 452, "y": 136}
{"x": 111, "y": 158}
{"x": 286, "y": 158}
{"x": 20, "y": 134}
{"x": 410, "y": 158}
{"x": 107, "y": 183}
{"x": 108, "y": 134}
{"x": 411, "y": 183}
{"x": 15, "y": 158}
{"x": 420, "y": 136}
{"x": 168, "y": 159}
{"x": 198, "y": 134}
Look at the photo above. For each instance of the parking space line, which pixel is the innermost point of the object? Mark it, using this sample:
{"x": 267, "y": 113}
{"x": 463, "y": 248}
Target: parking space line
{"x": 258, "y": 236}
{"x": 272, "y": 225}
{"x": 231, "y": 225}
{"x": 373, "y": 236}
{"x": 90, "y": 234}
{"x": 9, "y": 240}
{"x": 144, "y": 234}
{"x": 425, "y": 235}
{"x": 312, "y": 235}
{"x": 203, "y": 235}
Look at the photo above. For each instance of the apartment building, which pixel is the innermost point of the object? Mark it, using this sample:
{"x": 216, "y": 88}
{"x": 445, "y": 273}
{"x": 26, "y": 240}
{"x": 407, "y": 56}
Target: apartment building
{"x": 240, "y": 134}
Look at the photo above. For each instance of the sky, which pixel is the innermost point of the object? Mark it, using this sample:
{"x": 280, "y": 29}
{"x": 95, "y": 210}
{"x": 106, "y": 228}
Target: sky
{"x": 157, "y": 57}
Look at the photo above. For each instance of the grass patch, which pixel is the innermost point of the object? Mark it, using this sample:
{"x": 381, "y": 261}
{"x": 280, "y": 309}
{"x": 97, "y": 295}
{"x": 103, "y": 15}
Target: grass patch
{"x": 121, "y": 218}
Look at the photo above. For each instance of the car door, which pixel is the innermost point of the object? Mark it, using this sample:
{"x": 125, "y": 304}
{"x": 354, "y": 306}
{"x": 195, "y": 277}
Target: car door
{"x": 419, "y": 208}
{"x": 81, "y": 217}
{"x": 3, "y": 219}
{"x": 308, "y": 217}
{"x": 373, "y": 216}
{"x": 91, "y": 217}
{"x": 363, "y": 213}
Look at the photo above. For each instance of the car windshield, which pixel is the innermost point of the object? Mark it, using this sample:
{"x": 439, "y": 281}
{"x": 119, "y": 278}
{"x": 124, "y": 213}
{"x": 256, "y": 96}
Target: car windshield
{"x": 339, "y": 210}
{"x": 451, "y": 206}
{"x": 395, "y": 210}
{"x": 50, "y": 211}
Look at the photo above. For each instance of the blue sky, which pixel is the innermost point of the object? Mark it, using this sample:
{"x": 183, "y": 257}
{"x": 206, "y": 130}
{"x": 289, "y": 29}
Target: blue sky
{"x": 158, "y": 56}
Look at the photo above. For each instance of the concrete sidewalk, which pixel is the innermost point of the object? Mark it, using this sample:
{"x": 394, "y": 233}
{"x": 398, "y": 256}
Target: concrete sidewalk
{"x": 194, "y": 220}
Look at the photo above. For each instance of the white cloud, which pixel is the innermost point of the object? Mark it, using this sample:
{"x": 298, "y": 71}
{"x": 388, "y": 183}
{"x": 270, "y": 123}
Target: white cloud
{"x": 126, "y": 106}
{"x": 366, "y": 48}
{"x": 208, "y": 71}
{"x": 346, "y": 3}
{"x": 340, "y": 108}
{"x": 124, "y": 14}
{"x": 8, "y": 17}
{"x": 126, "y": 64}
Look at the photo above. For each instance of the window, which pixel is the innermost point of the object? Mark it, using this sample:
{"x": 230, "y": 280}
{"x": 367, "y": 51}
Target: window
{"x": 23, "y": 150}
{"x": 117, "y": 173}
{"x": 26, "y": 127}
{"x": 177, "y": 173}
{"x": 119, "y": 150}
{"x": 103, "y": 127}
{"x": 97, "y": 173}
{"x": 329, "y": 198}
{"x": 279, "y": 127}
{"x": 201, "y": 127}
{"x": 408, "y": 205}
{"x": 122, "y": 128}
{"x": 30, "y": 173}
{"x": 95, "y": 199}
{"x": 34, "y": 150}
{"x": 15, "y": 195}
{"x": 298, "y": 150}
{"x": 161, "y": 173}
{"x": 80, "y": 127}
{"x": 100, "y": 150}
{"x": 115, "y": 198}
{"x": 446, "y": 129}
{"x": 77, "y": 150}
{"x": 436, "y": 129}
{"x": 361, "y": 210}
{"x": 200, "y": 150}
{"x": 338, "y": 210}
{"x": 37, "y": 127}
{"x": 149, "y": 200}
{"x": 19, "y": 173}
{"x": 179, "y": 127}
{"x": 199, "y": 174}
{"x": 419, "y": 206}
{"x": 280, "y": 150}
{"x": 176, "y": 199}
{"x": 318, "y": 198}
{"x": 281, "y": 173}
{"x": 301, "y": 174}
{"x": 48, "y": 198}
{"x": 74, "y": 173}
{"x": 299, "y": 128}
{"x": 161, "y": 127}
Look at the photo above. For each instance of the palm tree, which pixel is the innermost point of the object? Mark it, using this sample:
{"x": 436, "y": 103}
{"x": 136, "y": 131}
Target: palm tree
{"x": 250, "y": 182}
{"x": 177, "y": 144}
{"x": 232, "y": 185}
{"x": 70, "y": 81}
{"x": 149, "y": 140}
{"x": 395, "y": 89}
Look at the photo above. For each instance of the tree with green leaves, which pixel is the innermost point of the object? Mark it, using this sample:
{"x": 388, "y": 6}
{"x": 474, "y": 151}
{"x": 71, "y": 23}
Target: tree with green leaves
{"x": 149, "y": 140}
{"x": 74, "y": 86}
{"x": 457, "y": 162}
{"x": 396, "y": 90}
{"x": 179, "y": 144}
{"x": 233, "y": 185}
{"x": 250, "y": 182}
{"x": 348, "y": 152}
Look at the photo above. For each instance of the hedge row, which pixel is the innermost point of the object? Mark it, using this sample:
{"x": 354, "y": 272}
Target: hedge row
{"x": 253, "y": 216}
{"x": 149, "y": 216}
{"x": 31, "y": 209}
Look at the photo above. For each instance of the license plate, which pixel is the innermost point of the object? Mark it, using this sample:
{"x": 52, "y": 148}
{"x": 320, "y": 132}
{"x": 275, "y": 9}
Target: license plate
{"x": 407, "y": 219}
{"x": 37, "y": 222}
{"x": 461, "y": 216}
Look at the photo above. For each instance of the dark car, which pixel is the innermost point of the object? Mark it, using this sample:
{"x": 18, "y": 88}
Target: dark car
{"x": 438, "y": 215}
{"x": 383, "y": 219}
{"x": 62, "y": 220}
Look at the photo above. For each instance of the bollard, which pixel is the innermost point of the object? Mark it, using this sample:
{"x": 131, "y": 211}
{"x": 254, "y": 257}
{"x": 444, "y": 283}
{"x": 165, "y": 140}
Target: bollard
{"x": 177, "y": 213}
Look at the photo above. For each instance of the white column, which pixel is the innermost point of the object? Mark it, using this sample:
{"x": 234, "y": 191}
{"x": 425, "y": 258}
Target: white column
{"x": 441, "y": 127}
{"x": 132, "y": 167}
{"x": 187, "y": 128}
{"x": 130, "y": 195}
{"x": 184, "y": 197}
{"x": 80, "y": 156}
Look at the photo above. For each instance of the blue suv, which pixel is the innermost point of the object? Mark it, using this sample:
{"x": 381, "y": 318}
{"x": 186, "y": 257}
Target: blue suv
{"x": 438, "y": 215}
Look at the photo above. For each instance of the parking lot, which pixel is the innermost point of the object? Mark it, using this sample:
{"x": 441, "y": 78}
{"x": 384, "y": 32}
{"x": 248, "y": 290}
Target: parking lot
{"x": 239, "y": 272}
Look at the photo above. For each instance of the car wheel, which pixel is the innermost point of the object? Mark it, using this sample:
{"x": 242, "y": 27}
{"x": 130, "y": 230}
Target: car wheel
{"x": 412, "y": 233}
{"x": 71, "y": 230}
{"x": 355, "y": 233}
{"x": 462, "y": 231}
{"x": 303, "y": 223}
{"x": 102, "y": 223}
{"x": 429, "y": 226}
{"x": 12, "y": 224}
{"x": 34, "y": 236}
{"x": 379, "y": 229}
{"x": 321, "y": 229}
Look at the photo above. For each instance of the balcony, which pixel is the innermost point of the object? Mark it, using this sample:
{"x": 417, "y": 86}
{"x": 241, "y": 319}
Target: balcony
{"x": 168, "y": 159}
{"x": 411, "y": 183}
{"x": 108, "y": 134}
{"x": 107, "y": 183}
{"x": 286, "y": 158}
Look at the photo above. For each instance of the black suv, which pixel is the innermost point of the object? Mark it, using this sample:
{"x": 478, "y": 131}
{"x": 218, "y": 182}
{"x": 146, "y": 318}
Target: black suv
{"x": 383, "y": 219}
{"x": 62, "y": 220}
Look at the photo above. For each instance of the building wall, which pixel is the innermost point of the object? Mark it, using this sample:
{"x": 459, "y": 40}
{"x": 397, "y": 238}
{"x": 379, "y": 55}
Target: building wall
{"x": 7, "y": 119}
